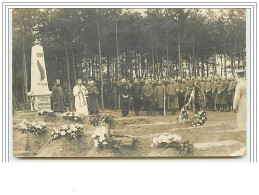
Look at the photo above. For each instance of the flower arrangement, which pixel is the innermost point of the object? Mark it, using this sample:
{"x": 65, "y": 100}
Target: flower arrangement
{"x": 71, "y": 116}
{"x": 100, "y": 137}
{"x": 172, "y": 141}
{"x": 184, "y": 115}
{"x": 72, "y": 132}
{"x": 163, "y": 140}
{"x": 199, "y": 119}
{"x": 45, "y": 112}
{"x": 34, "y": 127}
{"x": 98, "y": 119}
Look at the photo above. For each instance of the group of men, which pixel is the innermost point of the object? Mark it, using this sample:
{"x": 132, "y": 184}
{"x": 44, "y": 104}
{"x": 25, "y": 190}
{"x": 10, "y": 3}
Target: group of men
{"x": 211, "y": 94}
{"x": 84, "y": 99}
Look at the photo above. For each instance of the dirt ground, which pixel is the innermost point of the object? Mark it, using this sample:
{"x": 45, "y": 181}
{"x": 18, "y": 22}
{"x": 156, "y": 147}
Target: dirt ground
{"x": 217, "y": 138}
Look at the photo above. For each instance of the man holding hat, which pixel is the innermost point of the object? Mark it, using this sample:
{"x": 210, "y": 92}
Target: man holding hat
{"x": 124, "y": 95}
{"x": 239, "y": 104}
{"x": 93, "y": 92}
{"x": 136, "y": 95}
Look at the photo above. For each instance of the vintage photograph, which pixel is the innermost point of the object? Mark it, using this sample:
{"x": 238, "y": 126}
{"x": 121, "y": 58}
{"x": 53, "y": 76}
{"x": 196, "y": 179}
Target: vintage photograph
{"x": 135, "y": 83}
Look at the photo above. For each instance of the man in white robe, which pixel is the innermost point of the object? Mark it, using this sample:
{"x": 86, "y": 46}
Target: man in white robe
{"x": 239, "y": 104}
{"x": 80, "y": 93}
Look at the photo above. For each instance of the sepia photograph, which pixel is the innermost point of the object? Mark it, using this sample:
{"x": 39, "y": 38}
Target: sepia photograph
{"x": 129, "y": 83}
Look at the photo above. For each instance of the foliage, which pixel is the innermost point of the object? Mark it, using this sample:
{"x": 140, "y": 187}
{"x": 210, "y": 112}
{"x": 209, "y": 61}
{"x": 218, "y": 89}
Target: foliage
{"x": 199, "y": 119}
{"x": 99, "y": 119}
{"x": 45, "y": 112}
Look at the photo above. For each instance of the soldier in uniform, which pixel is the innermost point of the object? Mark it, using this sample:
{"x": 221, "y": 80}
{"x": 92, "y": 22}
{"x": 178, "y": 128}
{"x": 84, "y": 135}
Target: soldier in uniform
{"x": 231, "y": 92}
{"x": 216, "y": 85}
{"x": 173, "y": 92}
{"x": 181, "y": 94}
{"x": 136, "y": 95}
{"x": 199, "y": 96}
{"x": 57, "y": 97}
{"x": 124, "y": 97}
{"x": 147, "y": 92}
{"x": 208, "y": 94}
{"x": 239, "y": 104}
{"x": 66, "y": 92}
{"x": 154, "y": 85}
{"x": 159, "y": 94}
{"x": 93, "y": 92}
{"x": 222, "y": 94}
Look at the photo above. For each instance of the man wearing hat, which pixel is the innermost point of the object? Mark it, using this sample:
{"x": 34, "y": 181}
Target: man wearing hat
{"x": 58, "y": 97}
{"x": 124, "y": 97}
{"x": 222, "y": 94}
{"x": 136, "y": 95}
{"x": 147, "y": 92}
{"x": 80, "y": 92}
{"x": 239, "y": 104}
{"x": 208, "y": 94}
{"x": 159, "y": 94}
{"x": 231, "y": 92}
{"x": 172, "y": 92}
{"x": 93, "y": 92}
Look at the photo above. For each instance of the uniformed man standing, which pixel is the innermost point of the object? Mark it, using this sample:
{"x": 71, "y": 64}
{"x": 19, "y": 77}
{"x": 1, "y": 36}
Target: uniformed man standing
{"x": 208, "y": 94}
{"x": 159, "y": 94}
{"x": 124, "y": 97}
{"x": 231, "y": 92}
{"x": 222, "y": 94}
{"x": 181, "y": 95}
{"x": 173, "y": 92}
{"x": 199, "y": 96}
{"x": 147, "y": 92}
{"x": 136, "y": 95}
{"x": 58, "y": 97}
{"x": 216, "y": 85}
{"x": 93, "y": 92}
{"x": 239, "y": 105}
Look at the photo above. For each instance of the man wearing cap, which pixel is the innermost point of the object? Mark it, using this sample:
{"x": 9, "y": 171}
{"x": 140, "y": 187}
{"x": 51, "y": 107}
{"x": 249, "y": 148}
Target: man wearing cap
{"x": 124, "y": 97}
{"x": 215, "y": 87}
{"x": 239, "y": 104}
{"x": 172, "y": 92}
{"x": 222, "y": 94}
{"x": 208, "y": 94}
{"x": 181, "y": 94}
{"x": 147, "y": 92}
{"x": 199, "y": 96}
{"x": 80, "y": 92}
{"x": 93, "y": 92}
{"x": 57, "y": 97}
{"x": 136, "y": 95}
{"x": 231, "y": 92}
{"x": 159, "y": 94}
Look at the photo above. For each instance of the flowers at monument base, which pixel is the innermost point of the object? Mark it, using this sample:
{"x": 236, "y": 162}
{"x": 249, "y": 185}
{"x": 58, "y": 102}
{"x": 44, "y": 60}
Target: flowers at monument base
{"x": 165, "y": 139}
{"x": 45, "y": 112}
{"x": 73, "y": 116}
{"x": 72, "y": 132}
{"x": 184, "y": 115}
{"x": 100, "y": 137}
{"x": 34, "y": 127}
{"x": 199, "y": 119}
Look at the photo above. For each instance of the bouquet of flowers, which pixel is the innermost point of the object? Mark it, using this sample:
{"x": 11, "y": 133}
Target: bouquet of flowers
{"x": 199, "y": 119}
{"x": 71, "y": 131}
{"x": 100, "y": 137}
{"x": 71, "y": 116}
{"x": 185, "y": 148}
{"x": 45, "y": 112}
{"x": 34, "y": 127}
{"x": 98, "y": 119}
{"x": 184, "y": 115}
{"x": 165, "y": 140}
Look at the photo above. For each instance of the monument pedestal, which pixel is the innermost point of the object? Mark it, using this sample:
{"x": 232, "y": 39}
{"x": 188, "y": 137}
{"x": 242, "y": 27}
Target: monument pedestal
{"x": 39, "y": 81}
{"x": 42, "y": 102}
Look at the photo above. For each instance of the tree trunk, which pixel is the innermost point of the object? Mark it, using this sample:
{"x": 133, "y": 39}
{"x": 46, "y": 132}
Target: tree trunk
{"x": 68, "y": 69}
{"x": 74, "y": 65}
{"x": 225, "y": 65}
{"x": 193, "y": 60}
{"x": 100, "y": 60}
{"x": 117, "y": 55}
{"x": 153, "y": 65}
{"x": 167, "y": 57}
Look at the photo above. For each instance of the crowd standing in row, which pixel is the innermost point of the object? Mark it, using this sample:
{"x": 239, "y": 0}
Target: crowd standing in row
{"x": 214, "y": 94}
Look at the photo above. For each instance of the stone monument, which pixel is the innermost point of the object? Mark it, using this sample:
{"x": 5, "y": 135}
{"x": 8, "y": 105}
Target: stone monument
{"x": 39, "y": 81}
